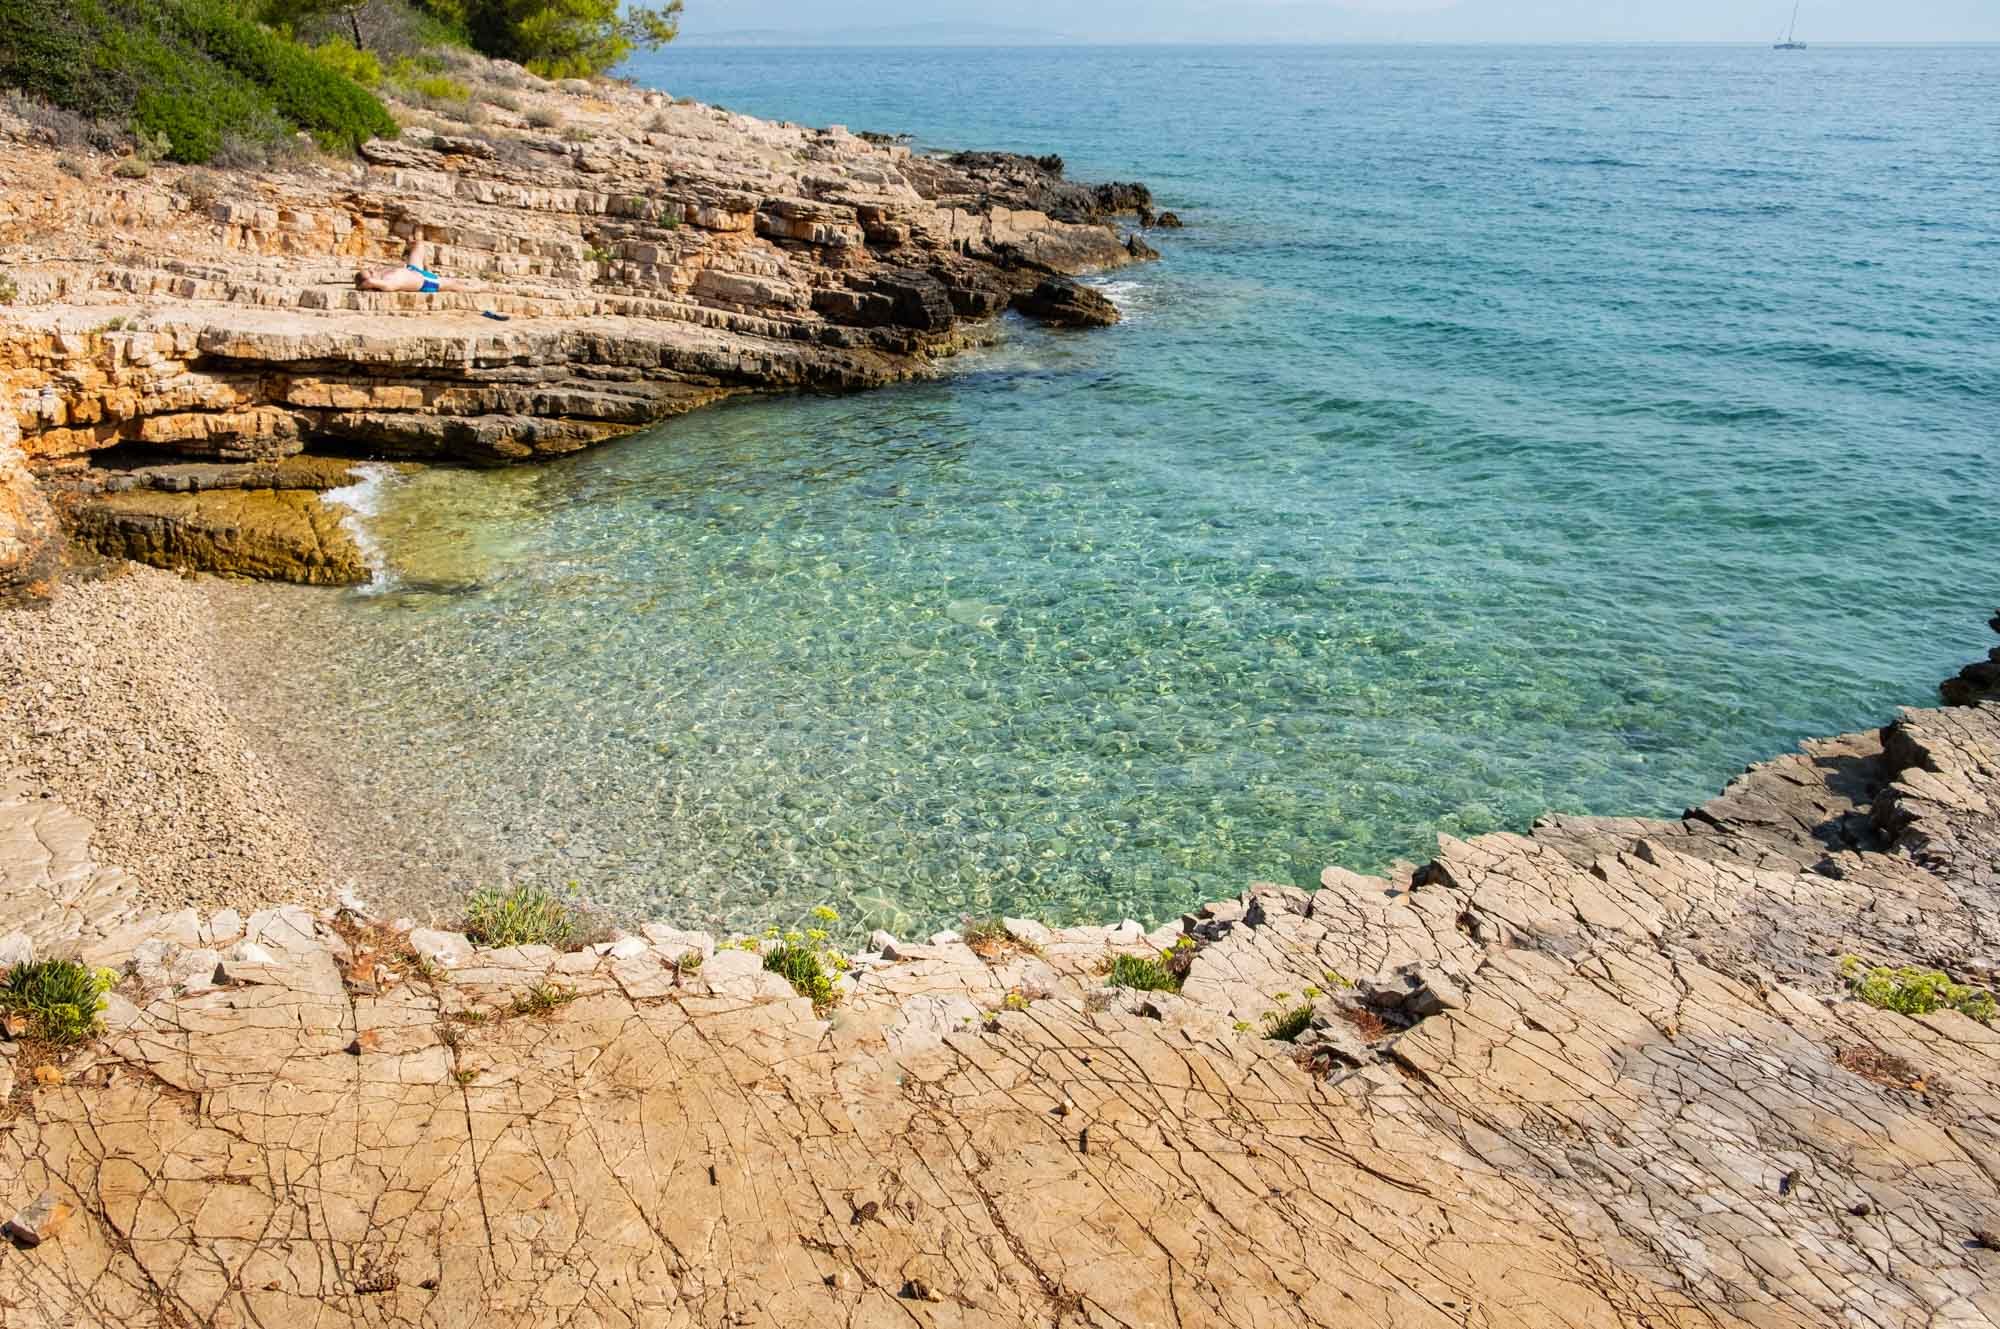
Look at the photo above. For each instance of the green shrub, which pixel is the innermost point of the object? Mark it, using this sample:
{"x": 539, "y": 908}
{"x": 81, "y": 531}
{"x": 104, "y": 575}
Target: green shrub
{"x": 386, "y": 27}
{"x": 309, "y": 92}
{"x": 1912, "y": 991}
{"x": 565, "y": 38}
{"x": 195, "y": 71}
{"x": 9, "y": 292}
{"x": 520, "y": 916}
{"x": 361, "y": 66}
{"x": 437, "y": 87}
{"x": 61, "y": 998}
{"x": 1143, "y": 973}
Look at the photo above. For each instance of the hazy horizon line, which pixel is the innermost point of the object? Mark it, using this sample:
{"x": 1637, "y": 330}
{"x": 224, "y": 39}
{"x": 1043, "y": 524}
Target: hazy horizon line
{"x": 803, "y": 40}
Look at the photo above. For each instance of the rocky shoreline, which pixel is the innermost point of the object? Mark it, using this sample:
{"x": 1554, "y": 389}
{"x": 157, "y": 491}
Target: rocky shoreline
{"x": 188, "y": 358}
{"x": 1605, "y": 1073}
{"x": 1613, "y": 1071}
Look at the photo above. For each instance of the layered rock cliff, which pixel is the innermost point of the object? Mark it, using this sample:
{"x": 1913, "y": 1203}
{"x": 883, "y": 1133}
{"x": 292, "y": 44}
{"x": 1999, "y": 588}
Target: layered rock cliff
{"x": 648, "y": 257}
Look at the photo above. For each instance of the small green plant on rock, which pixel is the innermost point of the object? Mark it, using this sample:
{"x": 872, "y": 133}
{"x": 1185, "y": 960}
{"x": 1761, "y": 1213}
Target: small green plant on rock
{"x": 803, "y": 958}
{"x": 1143, "y": 973}
{"x": 61, "y": 999}
{"x": 9, "y": 292}
{"x": 520, "y": 916}
{"x": 1287, "y": 1023}
{"x": 544, "y": 998}
{"x": 690, "y": 962}
{"x": 1913, "y": 991}
{"x": 1166, "y": 973}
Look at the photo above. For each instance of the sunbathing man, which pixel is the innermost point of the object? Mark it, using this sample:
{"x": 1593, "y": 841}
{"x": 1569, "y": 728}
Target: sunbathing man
{"x": 414, "y": 275}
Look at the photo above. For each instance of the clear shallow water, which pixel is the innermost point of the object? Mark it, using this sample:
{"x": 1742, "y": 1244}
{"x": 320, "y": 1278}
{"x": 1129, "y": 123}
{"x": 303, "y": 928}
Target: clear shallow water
{"x": 1514, "y": 429}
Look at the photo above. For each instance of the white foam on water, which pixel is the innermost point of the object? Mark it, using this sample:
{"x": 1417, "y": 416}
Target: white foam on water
{"x": 1133, "y": 298}
{"x": 363, "y": 499}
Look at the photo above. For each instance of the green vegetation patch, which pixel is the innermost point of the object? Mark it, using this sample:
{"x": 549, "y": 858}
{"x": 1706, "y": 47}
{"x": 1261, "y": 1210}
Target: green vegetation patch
{"x": 804, "y": 957}
{"x": 800, "y": 965}
{"x": 1143, "y": 973}
{"x": 544, "y": 998}
{"x": 520, "y": 916}
{"x": 1164, "y": 973}
{"x": 195, "y": 71}
{"x": 1912, "y": 991}
{"x": 61, "y": 999}
{"x": 1287, "y": 1024}
{"x": 363, "y": 67}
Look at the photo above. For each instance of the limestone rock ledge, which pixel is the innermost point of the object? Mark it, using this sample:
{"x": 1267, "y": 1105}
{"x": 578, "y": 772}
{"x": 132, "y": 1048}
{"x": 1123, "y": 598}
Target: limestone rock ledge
{"x": 30, "y": 542}
{"x": 1601, "y": 1074}
{"x": 648, "y": 259}
{"x": 275, "y": 534}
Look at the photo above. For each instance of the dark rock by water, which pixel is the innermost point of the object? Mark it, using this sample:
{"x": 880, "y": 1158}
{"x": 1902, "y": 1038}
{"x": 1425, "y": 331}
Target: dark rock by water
{"x": 1066, "y": 304}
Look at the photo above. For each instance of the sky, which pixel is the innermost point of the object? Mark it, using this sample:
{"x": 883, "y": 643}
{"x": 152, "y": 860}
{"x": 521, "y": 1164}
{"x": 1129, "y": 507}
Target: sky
{"x": 1344, "y": 20}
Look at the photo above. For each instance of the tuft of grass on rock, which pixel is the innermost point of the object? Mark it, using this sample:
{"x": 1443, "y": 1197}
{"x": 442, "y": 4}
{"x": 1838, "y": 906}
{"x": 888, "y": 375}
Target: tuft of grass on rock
{"x": 1287, "y": 1023}
{"x": 803, "y": 958}
{"x": 1913, "y": 991}
{"x": 520, "y": 916}
{"x": 1164, "y": 973}
{"x": 800, "y": 965}
{"x": 61, "y": 999}
{"x": 542, "y": 118}
{"x": 1143, "y": 973}
{"x": 544, "y": 998}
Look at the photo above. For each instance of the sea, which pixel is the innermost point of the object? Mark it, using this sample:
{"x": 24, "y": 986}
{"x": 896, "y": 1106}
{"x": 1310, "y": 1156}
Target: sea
{"x": 1510, "y": 430}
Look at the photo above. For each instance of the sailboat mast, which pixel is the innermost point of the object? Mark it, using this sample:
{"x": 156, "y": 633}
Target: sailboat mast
{"x": 1792, "y": 33}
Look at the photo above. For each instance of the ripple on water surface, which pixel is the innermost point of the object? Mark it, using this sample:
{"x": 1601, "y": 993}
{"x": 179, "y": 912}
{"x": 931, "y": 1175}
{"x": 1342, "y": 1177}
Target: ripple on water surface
{"x": 1441, "y": 477}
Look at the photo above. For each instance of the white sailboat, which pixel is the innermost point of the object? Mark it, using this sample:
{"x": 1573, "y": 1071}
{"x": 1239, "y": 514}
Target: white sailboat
{"x": 1791, "y": 41}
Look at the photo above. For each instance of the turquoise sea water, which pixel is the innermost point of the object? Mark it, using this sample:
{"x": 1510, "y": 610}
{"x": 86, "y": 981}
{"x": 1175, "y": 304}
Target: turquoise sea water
{"x": 1512, "y": 429}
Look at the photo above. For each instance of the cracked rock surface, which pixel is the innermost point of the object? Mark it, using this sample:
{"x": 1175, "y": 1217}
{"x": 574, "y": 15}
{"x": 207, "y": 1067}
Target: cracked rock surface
{"x": 1605, "y": 1073}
